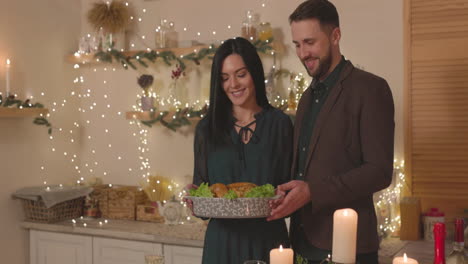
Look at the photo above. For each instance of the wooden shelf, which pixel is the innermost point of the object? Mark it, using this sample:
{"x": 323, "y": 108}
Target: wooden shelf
{"x": 146, "y": 115}
{"x": 89, "y": 58}
{"x": 24, "y": 112}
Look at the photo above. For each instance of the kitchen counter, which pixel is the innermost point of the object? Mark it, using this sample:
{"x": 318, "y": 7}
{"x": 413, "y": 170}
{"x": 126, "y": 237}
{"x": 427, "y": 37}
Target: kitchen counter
{"x": 192, "y": 234}
{"x": 422, "y": 251}
{"x": 189, "y": 234}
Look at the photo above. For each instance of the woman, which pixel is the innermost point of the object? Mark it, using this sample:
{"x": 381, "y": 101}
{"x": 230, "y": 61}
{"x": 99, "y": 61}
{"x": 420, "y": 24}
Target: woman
{"x": 242, "y": 139}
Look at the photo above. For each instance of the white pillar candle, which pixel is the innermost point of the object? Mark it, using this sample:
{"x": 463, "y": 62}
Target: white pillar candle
{"x": 344, "y": 236}
{"x": 281, "y": 256}
{"x": 7, "y": 77}
{"x": 404, "y": 260}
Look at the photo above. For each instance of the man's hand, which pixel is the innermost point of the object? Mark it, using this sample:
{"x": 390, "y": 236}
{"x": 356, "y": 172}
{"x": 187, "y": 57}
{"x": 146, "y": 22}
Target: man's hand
{"x": 298, "y": 196}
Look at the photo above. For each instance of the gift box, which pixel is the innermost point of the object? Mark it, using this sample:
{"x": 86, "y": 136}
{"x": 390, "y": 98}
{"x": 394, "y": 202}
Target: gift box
{"x": 410, "y": 215}
{"x": 149, "y": 213}
{"x": 119, "y": 202}
{"x": 123, "y": 200}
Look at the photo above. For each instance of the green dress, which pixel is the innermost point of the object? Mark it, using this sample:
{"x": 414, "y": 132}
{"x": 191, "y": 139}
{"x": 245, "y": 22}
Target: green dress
{"x": 266, "y": 158}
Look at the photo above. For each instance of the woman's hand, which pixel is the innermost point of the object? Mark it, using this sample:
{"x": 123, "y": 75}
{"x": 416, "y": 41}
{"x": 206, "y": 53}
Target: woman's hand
{"x": 189, "y": 202}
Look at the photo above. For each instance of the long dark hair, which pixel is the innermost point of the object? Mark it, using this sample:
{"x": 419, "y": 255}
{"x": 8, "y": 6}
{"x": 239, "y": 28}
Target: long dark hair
{"x": 219, "y": 116}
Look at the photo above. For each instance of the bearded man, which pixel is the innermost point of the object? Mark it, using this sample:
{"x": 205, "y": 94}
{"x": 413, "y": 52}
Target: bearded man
{"x": 343, "y": 140}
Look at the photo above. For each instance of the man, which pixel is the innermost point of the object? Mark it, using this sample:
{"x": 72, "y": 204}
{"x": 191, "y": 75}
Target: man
{"x": 343, "y": 140}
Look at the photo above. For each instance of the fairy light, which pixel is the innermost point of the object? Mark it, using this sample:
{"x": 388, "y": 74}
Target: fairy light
{"x": 390, "y": 197}
{"x": 142, "y": 134}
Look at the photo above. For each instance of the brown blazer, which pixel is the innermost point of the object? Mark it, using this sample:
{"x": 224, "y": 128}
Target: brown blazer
{"x": 350, "y": 156}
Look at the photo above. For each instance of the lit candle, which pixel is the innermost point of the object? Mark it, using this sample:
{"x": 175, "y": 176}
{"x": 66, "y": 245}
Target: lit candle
{"x": 344, "y": 236}
{"x": 7, "y": 77}
{"x": 404, "y": 260}
{"x": 281, "y": 255}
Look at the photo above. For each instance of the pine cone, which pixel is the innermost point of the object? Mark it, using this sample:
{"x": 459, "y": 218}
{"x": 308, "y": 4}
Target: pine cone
{"x": 145, "y": 81}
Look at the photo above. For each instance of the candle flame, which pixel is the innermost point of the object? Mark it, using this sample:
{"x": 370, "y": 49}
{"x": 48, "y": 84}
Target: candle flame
{"x": 405, "y": 258}
{"x": 281, "y": 248}
{"x": 8, "y": 61}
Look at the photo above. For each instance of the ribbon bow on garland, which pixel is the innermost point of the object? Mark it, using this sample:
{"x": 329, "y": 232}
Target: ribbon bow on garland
{"x": 11, "y": 101}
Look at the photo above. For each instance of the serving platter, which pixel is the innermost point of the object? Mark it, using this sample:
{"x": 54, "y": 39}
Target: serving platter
{"x": 231, "y": 208}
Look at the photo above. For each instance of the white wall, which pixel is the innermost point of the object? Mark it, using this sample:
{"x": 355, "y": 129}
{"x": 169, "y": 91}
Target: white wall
{"x": 36, "y": 36}
{"x": 372, "y": 38}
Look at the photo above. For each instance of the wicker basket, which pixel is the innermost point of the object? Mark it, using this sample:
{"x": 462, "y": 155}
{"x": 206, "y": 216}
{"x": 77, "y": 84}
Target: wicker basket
{"x": 37, "y": 212}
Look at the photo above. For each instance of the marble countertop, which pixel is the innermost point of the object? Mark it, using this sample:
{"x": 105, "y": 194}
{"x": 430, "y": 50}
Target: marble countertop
{"x": 192, "y": 234}
{"x": 188, "y": 234}
{"x": 422, "y": 251}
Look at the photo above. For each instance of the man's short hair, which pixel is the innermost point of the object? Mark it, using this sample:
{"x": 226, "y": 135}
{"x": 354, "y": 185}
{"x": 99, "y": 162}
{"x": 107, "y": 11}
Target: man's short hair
{"x": 322, "y": 10}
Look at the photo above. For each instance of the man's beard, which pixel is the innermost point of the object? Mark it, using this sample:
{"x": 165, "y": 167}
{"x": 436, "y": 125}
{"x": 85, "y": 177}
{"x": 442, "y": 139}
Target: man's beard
{"x": 324, "y": 65}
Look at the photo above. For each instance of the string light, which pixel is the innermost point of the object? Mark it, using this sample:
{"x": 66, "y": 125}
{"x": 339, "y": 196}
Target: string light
{"x": 389, "y": 198}
{"x": 143, "y": 150}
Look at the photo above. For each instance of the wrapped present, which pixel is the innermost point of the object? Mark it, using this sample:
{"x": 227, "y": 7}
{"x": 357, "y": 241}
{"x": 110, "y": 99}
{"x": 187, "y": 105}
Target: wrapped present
{"x": 410, "y": 215}
{"x": 149, "y": 212}
{"x": 122, "y": 201}
{"x": 118, "y": 202}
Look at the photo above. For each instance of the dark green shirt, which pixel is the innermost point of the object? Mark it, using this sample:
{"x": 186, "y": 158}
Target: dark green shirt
{"x": 266, "y": 158}
{"x": 320, "y": 91}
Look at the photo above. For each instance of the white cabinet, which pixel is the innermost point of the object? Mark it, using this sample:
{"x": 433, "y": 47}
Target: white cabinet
{"x": 60, "y": 248}
{"x": 182, "y": 255}
{"x": 56, "y": 248}
{"x": 116, "y": 251}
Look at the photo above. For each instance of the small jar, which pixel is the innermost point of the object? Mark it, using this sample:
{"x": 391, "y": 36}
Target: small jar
{"x": 161, "y": 38}
{"x": 265, "y": 32}
{"x": 172, "y": 37}
{"x": 90, "y": 208}
{"x": 172, "y": 211}
{"x": 430, "y": 218}
{"x": 249, "y": 27}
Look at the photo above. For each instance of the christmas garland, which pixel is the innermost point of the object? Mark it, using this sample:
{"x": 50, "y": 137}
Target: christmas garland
{"x": 11, "y": 102}
{"x": 179, "y": 119}
{"x": 143, "y": 57}
{"x": 182, "y": 116}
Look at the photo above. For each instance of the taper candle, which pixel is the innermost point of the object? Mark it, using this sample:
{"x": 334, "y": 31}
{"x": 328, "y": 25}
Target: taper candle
{"x": 7, "y": 77}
